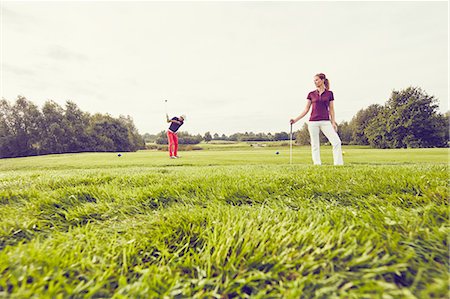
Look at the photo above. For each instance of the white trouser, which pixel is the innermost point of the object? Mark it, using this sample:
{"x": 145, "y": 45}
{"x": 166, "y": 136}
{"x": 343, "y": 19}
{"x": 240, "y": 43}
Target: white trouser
{"x": 314, "y": 128}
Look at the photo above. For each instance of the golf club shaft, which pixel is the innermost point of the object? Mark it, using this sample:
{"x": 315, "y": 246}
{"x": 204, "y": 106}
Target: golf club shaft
{"x": 290, "y": 149}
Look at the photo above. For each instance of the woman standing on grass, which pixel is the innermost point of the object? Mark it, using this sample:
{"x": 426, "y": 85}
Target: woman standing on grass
{"x": 322, "y": 119}
{"x": 175, "y": 124}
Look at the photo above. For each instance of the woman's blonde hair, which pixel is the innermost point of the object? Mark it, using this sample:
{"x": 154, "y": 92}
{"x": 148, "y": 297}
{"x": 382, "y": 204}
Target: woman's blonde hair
{"x": 326, "y": 81}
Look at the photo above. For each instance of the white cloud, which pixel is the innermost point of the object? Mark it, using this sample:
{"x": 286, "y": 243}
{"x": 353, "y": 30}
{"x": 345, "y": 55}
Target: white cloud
{"x": 61, "y": 53}
{"x": 230, "y": 66}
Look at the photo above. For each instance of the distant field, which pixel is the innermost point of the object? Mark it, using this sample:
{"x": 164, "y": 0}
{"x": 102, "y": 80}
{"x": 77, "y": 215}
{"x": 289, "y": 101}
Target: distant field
{"x": 231, "y": 154}
{"x": 229, "y": 221}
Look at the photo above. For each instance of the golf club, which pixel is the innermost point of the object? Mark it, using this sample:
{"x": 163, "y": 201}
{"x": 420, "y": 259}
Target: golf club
{"x": 290, "y": 147}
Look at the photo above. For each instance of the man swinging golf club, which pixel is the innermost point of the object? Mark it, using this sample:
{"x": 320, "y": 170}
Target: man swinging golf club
{"x": 175, "y": 124}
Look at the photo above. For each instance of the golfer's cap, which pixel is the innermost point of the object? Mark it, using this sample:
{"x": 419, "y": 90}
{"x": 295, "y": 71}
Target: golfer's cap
{"x": 183, "y": 116}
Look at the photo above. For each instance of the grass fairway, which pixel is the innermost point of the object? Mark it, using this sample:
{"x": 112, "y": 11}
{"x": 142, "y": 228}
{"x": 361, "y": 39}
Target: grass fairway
{"x": 229, "y": 221}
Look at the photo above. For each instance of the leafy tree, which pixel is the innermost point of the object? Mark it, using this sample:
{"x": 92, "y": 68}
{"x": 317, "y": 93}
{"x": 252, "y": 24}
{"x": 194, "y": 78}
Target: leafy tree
{"x": 25, "y": 130}
{"x": 161, "y": 138}
{"x": 302, "y": 136}
{"x": 20, "y": 128}
{"x": 76, "y": 123}
{"x": 281, "y": 136}
{"x": 108, "y": 134}
{"x": 413, "y": 120}
{"x": 6, "y": 130}
{"x": 149, "y": 137}
{"x": 360, "y": 121}
{"x": 376, "y": 131}
{"x": 186, "y": 138}
{"x": 409, "y": 119}
{"x": 183, "y": 138}
{"x": 207, "y": 137}
{"x": 345, "y": 132}
{"x": 135, "y": 140}
{"x": 52, "y": 137}
{"x": 233, "y": 137}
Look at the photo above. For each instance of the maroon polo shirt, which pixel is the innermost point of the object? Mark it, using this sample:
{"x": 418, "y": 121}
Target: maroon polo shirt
{"x": 320, "y": 104}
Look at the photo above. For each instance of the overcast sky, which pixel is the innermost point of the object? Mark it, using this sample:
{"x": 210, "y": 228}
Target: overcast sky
{"x": 229, "y": 66}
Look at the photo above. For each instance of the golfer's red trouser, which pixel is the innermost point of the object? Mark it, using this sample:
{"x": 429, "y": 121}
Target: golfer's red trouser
{"x": 173, "y": 143}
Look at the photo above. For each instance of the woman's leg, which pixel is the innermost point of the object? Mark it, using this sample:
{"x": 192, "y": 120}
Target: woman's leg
{"x": 314, "y": 130}
{"x": 335, "y": 141}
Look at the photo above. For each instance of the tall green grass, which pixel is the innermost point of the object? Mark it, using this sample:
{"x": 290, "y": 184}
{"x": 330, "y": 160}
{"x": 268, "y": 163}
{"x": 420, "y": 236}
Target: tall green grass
{"x": 221, "y": 225}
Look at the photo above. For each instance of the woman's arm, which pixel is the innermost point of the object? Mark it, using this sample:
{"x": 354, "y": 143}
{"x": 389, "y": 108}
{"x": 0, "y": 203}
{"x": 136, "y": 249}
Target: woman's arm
{"x": 305, "y": 111}
{"x": 332, "y": 118}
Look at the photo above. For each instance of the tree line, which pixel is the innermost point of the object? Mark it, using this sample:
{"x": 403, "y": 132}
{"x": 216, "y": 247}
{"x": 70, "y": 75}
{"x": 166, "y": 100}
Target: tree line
{"x": 26, "y": 130}
{"x": 186, "y": 138}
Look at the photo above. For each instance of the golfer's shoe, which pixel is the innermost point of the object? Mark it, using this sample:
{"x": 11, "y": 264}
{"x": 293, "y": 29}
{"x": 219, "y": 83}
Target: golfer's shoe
{"x": 173, "y": 157}
{"x": 177, "y": 157}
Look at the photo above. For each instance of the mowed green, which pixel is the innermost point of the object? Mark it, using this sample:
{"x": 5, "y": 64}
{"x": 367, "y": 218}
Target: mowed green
{"x": 229, "y": 221}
